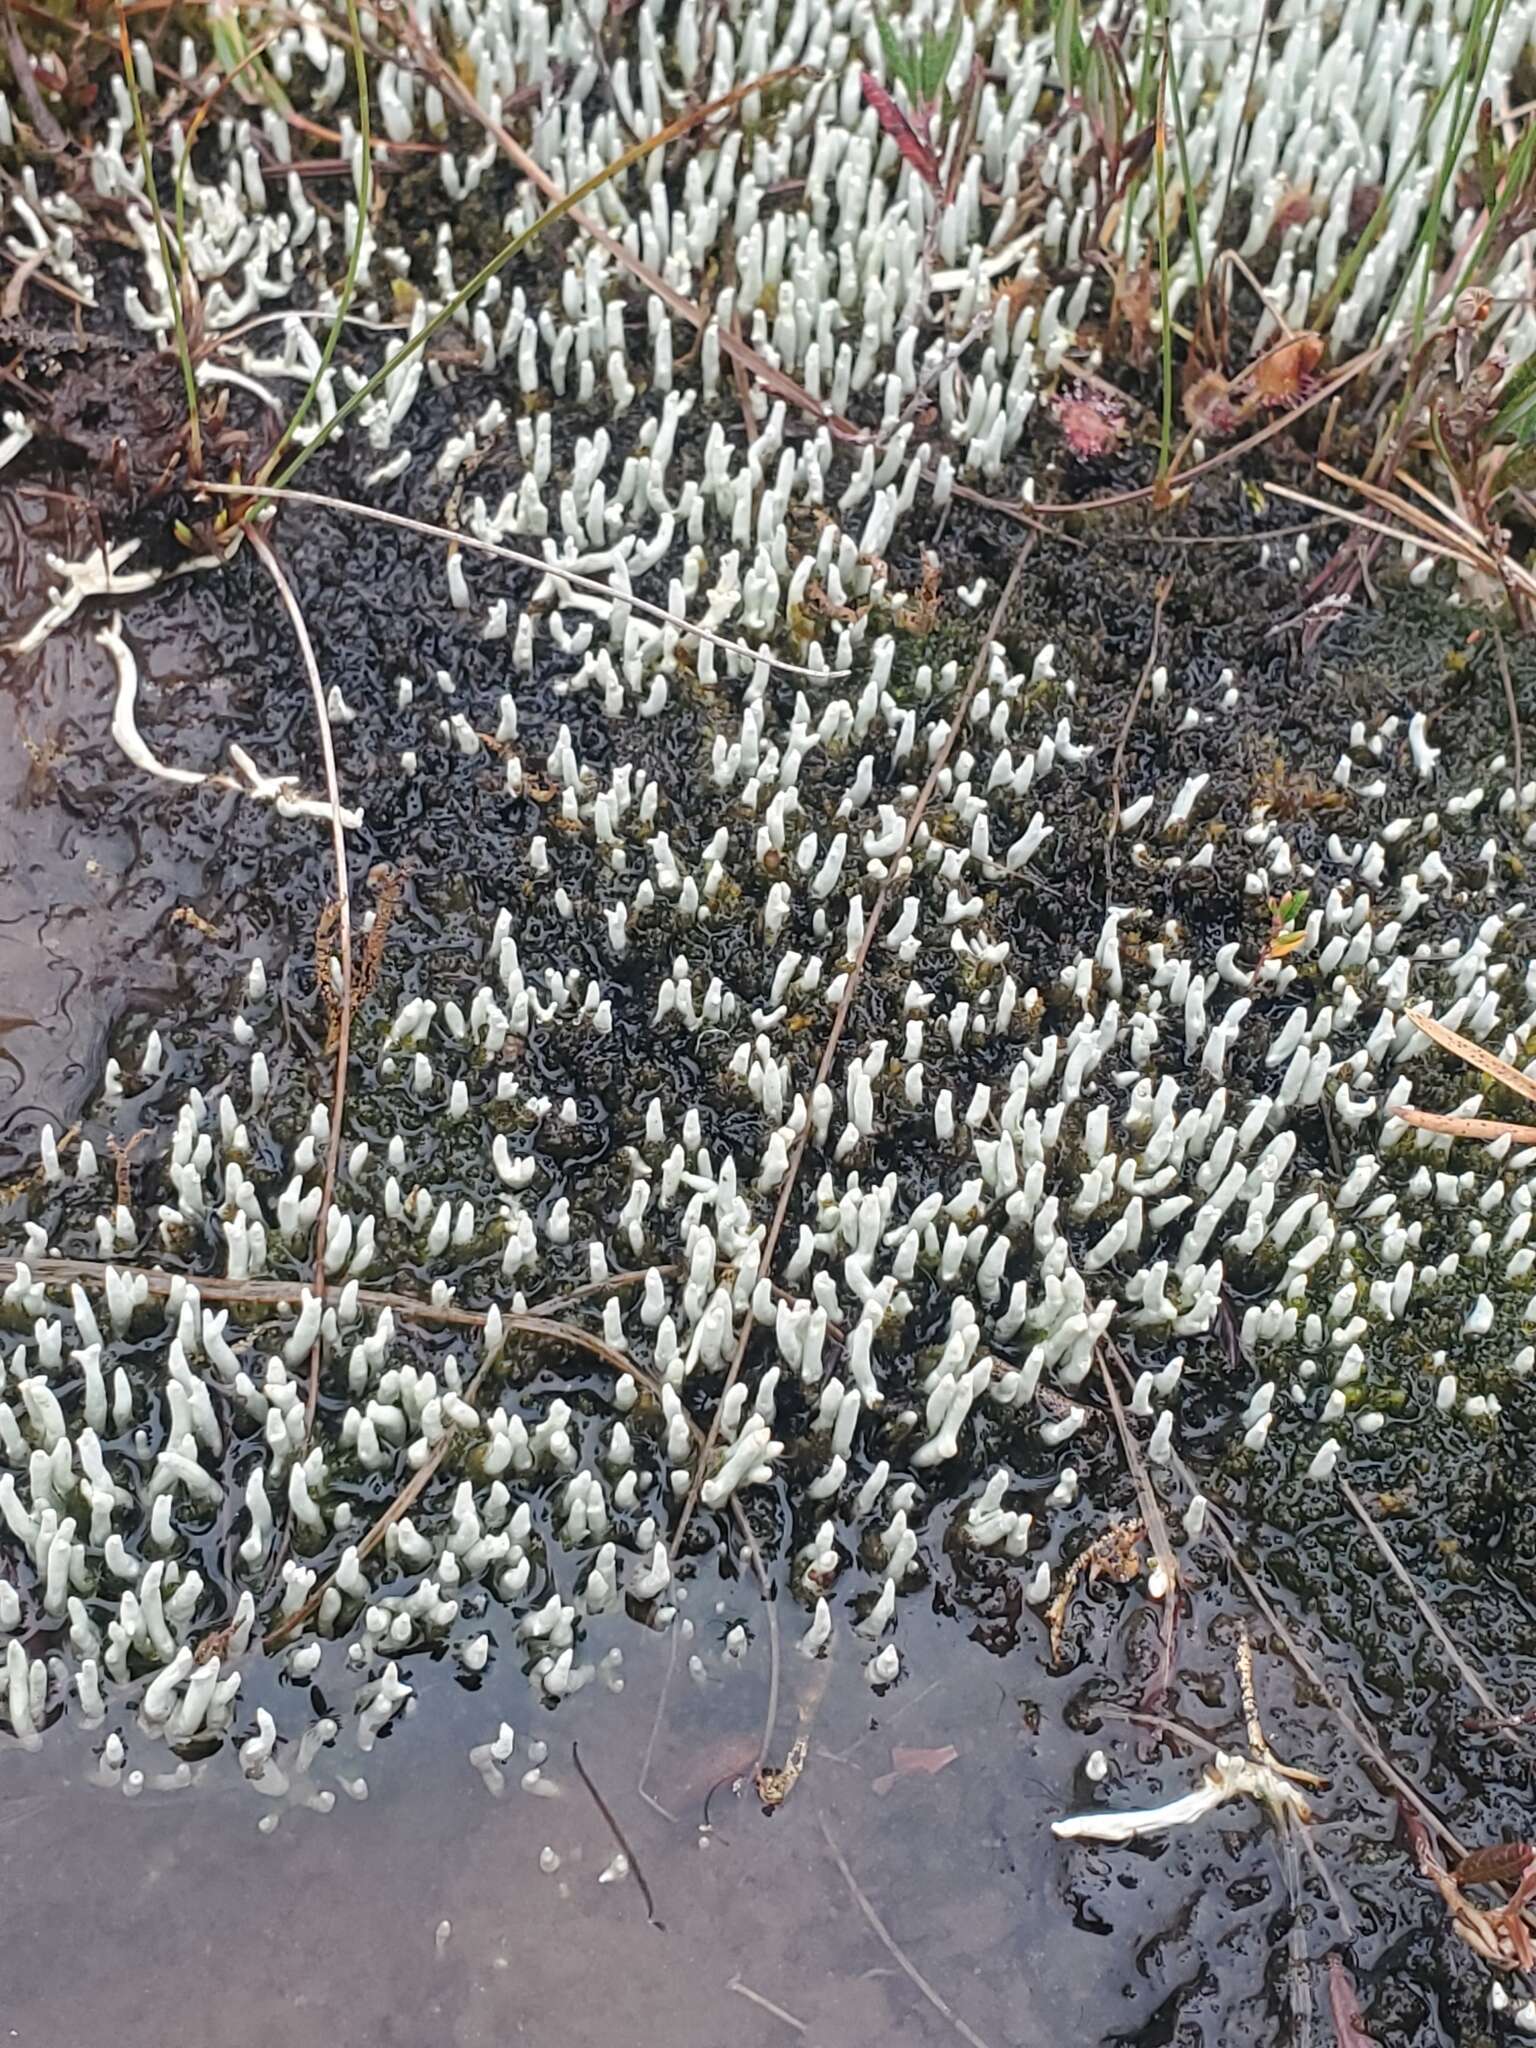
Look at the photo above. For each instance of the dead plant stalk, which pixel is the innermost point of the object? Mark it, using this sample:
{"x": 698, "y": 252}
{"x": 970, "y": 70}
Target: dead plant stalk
{"x": 290, "y": 604}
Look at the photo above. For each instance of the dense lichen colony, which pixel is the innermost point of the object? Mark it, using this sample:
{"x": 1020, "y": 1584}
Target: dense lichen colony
{"x": 823, "y": 887}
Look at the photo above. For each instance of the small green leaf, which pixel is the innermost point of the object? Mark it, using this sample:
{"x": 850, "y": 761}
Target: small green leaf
{"x": 1515, "y": 419}
{"x": 1071, "y": 50}
{"x": 939, "y": 54}
{"x": 898, "y": 61}
{"x": 1292, "y": 907}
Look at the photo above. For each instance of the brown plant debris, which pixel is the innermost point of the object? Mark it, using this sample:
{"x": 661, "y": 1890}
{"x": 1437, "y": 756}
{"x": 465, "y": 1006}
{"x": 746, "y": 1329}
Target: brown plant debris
{"x": 1113, "y": 1554}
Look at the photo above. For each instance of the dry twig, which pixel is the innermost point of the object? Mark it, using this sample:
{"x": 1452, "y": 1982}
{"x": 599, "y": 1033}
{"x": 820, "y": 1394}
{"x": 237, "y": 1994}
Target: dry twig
{"x": 343, "y": 907}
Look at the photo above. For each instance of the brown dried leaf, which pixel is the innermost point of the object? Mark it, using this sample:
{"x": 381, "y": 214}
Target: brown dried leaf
{"x": 915, "y": 1763}
{"x": 1475, "y": 1055}
{"x": 925, "y": 1763}
{"x": 1485, "y": 1127}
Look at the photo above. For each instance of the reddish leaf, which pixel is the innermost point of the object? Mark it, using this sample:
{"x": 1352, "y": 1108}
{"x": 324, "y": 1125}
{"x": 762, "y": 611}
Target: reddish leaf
{"x": 1344, "y": 2007}
{"x": 1090, "y": 422}
{"x": 916, "y": 1763}
{"x": 1209, "y": 405}
{"x": 896, "y": 125}
{"x": 925, "y": 1762}
{"x": 1280, "y": 375}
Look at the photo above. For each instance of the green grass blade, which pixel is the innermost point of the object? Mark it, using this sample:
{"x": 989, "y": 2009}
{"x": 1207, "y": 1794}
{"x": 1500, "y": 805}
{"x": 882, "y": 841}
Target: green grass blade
{"x": 173, "y": 279}
{"x": 898, "y": 60}
{"x": 1478, "y": 46}
{"x": 1192, "y": 211}
{"x": 1165, "y": 303}
{"x": 482, "y": 277}
{"x": 252, "y": 57}
{"x": 1334, "y": 297}
{"x": 1516, "y": 179}
{"x": 354, "y": 254}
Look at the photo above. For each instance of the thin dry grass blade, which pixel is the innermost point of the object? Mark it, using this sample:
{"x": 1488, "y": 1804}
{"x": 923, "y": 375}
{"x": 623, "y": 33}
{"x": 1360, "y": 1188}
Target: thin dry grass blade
{"x": 1477, "y": 1056}
{"x": 1433, "y": 524}
{"x": 1470, "y": 1678}
{"x": 1509, "y": 565}
{"x": 556, "y": 571}
{"x": 1445, "y": 549}
{"x": 1486, "y": 1127}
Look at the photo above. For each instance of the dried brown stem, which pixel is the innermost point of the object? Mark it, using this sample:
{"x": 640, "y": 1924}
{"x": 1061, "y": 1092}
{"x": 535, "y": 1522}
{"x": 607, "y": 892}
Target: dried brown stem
{"x": 275, "y": 1293}
{"x": 1437, "y": 1628}
{"x": 1485, "y": 1127}
{"x": 49, "y": 133}
{"x": 617, "y": 1832}
{"x": 290, "y": 604}
{"x": 415, "y": 1486}
{"x": 1117, "y": 769}
{"x": 1513, "y": 709}
{"x": 1474, "y": 1054}
{"x": 893, "y": 1948}
{"x": 1146, "y": 1499}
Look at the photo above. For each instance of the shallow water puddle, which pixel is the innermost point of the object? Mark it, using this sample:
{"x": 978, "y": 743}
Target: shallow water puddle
{"x": 333, "y": 1923}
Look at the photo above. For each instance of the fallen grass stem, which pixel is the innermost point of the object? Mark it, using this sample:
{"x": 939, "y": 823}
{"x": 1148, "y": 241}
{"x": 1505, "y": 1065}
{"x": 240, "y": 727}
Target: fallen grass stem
{"x": 1147, "y": 1502}
{"x": 1432, "y": 1621}
{"x": 416, "y": 1485}
{"x": 275, "y": 1293}
{"x": 49, "y": 133}
{"x": 284, "y": 494}
{"x": 1117, "y": 768}
{"x": 618, "y": 1834}
{"x": 892, "y": 1947}
{"x": 767, "y": 2005}
{"x": 290, "y": 604}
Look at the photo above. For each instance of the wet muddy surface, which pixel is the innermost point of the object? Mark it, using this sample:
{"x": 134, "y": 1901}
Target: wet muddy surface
{"x": 938, "y": 1800}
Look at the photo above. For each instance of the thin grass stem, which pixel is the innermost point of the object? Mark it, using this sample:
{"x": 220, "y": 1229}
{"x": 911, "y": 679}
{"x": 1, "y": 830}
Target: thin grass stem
{"x": 683, "y": 125}
{"x": 1164, "y": 296}
{"x": 354, "y": 254}
{"x": 1191, "y": 209}
{"x": 172, "y": 280}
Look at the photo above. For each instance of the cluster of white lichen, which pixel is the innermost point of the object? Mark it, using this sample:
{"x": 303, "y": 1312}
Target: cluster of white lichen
{"x": 1119, "y": 1138}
